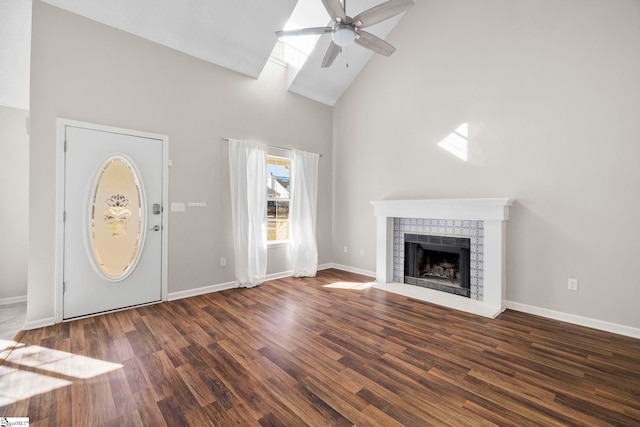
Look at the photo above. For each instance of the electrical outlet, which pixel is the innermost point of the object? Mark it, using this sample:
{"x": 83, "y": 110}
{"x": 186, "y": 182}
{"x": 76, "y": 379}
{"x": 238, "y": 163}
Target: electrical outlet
{"x": 572, "y": 284}
{"x": 223, "y": 262}
{"x": 346, "y": 249}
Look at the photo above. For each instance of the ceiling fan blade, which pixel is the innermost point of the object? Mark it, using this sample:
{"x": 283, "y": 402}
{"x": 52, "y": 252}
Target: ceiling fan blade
{"x": 335, "y": 10}
{"x": 332, "y": 52}
{"x": 304, "y": 31}
{"x": 381, "y": 12}
{"x": 374, "y": 43}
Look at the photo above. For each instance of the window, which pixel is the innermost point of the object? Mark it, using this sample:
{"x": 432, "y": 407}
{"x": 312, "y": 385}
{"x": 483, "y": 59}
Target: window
{"x": 278, "y": 198}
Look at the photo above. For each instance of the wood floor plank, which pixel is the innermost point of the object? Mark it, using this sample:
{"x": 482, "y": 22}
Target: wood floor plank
{"x": 497, "y": 401}
{"x": 128, "y": 420}
{"x": 327, "y": 350}
{"x": 235, "y": 416}
{"x": 348, "y": 403}
{"x": 148, "y": 409}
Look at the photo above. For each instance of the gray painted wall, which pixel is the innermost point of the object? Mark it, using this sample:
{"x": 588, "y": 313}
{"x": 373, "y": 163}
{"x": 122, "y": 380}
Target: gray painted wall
{"x": 85, "y": 71}
{"x": 551, "y": 93}
{"x": 14, "y": 218}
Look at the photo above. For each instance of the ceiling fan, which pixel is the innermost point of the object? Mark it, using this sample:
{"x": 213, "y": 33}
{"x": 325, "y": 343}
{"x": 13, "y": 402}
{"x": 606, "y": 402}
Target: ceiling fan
{"x": 347, "y": 30}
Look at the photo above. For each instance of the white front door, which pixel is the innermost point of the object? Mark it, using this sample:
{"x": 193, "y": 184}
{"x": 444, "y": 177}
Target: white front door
{"x": 112, "y": 221}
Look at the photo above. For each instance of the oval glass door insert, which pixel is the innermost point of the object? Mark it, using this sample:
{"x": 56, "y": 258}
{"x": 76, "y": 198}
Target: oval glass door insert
{"x": 115, "y": 221}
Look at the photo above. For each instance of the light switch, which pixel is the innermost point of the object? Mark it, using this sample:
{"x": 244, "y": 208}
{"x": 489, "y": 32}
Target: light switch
{"x": 177, "y": 207}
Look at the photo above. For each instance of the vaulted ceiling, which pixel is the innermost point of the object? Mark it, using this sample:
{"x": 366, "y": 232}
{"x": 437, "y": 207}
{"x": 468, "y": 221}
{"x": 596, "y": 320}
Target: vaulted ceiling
{"x": 237, "y": 34}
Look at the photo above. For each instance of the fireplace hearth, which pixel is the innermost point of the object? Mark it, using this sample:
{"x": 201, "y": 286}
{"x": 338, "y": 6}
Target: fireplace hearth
{"x": 438, "y": 262}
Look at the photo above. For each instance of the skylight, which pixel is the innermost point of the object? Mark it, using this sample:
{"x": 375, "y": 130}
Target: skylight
{"x": 296, "y": 50}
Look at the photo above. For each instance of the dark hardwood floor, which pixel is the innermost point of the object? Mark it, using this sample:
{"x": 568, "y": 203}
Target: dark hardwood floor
{"x": 322, "y": 351}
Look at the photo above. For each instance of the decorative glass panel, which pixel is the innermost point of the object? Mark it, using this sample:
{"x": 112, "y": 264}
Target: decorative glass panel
{"x": 116, "y": 218}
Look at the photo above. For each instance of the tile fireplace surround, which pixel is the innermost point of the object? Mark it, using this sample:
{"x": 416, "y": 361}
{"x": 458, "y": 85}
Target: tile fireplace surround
{"x": 442, "y": 217}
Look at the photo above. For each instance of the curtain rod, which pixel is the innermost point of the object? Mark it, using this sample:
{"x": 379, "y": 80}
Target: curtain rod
{"x": 224, "y": 138}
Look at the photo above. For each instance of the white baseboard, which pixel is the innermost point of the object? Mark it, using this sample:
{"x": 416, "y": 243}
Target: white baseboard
{"x": 576, "y": 320}
{"x": 40, "y": 323}
{"x": 172, "y": 296}
{"x": 530, "y": 309}
{"x": 13, "y": 300}
{"x": 282, "y": 275}
{"x": 220, "y": 287}
{"x": 355, "y": 270}
{"x": 201, "y": 291}
{"x": 525, "y": 308}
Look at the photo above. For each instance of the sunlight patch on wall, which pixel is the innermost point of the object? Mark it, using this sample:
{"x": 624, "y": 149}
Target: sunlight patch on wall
{"x": 457, "y": 142}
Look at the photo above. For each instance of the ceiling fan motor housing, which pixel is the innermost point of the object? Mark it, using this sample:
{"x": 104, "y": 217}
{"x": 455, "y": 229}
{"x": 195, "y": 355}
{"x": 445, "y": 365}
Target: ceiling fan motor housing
{"x": 343, "y": 34}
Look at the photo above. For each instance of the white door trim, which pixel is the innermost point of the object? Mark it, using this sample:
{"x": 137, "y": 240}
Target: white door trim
{"x": 60, "y": 192}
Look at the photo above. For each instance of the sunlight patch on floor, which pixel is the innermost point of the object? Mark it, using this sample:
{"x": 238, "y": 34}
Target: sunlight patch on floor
{"x": 348, "y": 285}
{"x": 27, "y": 371}
{"x": 7, "y": 345}
{"x": 63, "y": 363}
{"x": 22, "y": 384}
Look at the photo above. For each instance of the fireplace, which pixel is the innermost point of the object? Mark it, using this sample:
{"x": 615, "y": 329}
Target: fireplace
{"x": 486, "y": 228}
{"x": 438, "y": 262}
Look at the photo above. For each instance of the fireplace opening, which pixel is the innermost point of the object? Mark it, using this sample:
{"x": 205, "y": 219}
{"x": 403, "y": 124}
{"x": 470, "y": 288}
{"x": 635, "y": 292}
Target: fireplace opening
{"x": 438, "y": 262}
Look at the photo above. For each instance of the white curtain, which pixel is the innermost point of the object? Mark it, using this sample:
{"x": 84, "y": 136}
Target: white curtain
{"x": 303, "y": 213}
{"x": 247, "y": 173}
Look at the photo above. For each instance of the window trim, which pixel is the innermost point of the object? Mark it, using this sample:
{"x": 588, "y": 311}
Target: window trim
{"x": 277, "y": 243}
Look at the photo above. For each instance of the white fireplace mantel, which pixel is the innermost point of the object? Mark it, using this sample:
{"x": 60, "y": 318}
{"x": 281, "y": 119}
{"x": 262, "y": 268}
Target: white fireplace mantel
{"x": 492, "y": 211}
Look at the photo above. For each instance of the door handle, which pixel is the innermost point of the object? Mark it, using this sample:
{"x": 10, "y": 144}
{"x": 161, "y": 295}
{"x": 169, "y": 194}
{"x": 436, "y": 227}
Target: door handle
{"x": 155, "y": 228}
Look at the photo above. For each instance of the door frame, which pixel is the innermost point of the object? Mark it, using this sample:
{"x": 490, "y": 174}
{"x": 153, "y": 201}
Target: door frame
{"x": 61, "y": 124}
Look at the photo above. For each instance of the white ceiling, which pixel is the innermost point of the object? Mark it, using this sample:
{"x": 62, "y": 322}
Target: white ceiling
{"x": 235, "y": 34}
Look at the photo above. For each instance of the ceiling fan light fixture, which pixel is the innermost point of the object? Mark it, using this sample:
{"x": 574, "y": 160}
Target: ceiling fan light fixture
{"x": 344, "y": 35}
